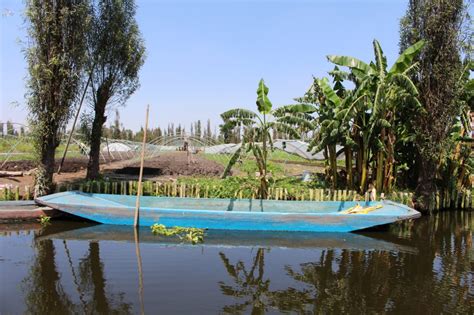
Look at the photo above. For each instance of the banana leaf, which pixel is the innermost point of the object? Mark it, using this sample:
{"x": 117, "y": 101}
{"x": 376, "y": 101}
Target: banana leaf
{"x": 263, "y": 102}
{"x": 405, "y": 60}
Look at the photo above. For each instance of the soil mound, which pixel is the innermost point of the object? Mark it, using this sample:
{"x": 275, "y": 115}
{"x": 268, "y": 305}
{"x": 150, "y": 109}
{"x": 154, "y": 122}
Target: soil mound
{"x": 175, "y": 163}
{"x": 71, "y": 165}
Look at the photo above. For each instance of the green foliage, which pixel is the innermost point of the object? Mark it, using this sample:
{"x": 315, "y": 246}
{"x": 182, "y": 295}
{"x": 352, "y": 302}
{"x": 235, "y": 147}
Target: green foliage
{"x": 367, "y": 121}
{"x": 247, "y": 187}
{"x": 116, "y": 54}
{"x": 44, "y": 220}
{"x": 257, "y": 139}
{"x": 193, "y": 235}
{"x": 55, "y": 56}
{"x": 441, "y": 25}
{"x": 263, "y": 102}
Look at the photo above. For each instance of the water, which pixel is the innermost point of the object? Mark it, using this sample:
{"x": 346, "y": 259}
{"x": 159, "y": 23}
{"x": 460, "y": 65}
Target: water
{"x": 425, "y": 266}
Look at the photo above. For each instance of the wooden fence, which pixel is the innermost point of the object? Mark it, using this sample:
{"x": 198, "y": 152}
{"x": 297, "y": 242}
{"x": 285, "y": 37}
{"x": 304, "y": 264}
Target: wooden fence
{"x": 443, "y": 200}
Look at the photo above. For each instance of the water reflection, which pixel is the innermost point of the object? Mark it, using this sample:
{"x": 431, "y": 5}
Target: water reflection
{"x": 421, "y": 266}
{"x": 248, "y": 283}
{"x": 44, "y": 292}
{"x": 439, "y": 279}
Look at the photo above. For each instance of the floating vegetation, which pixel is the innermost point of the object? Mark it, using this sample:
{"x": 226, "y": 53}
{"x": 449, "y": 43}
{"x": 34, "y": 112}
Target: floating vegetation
{"x": 44, "y": 220}
{"x": 193, "y": 235}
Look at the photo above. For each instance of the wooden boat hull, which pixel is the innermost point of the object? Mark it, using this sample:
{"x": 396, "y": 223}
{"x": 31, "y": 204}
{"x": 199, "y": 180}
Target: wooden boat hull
{"x": 227, "y": 214}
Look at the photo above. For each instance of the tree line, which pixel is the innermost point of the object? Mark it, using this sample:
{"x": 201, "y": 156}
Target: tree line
{"x": 117, "y": 131}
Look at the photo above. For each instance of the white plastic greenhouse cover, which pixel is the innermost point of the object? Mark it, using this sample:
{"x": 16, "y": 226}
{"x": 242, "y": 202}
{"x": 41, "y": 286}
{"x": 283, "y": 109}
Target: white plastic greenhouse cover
{"x": 227, "y": 148}
{"x": 117, "y": 147}
{"x": 297, "y": 147}
{"x": 291, "y": 146}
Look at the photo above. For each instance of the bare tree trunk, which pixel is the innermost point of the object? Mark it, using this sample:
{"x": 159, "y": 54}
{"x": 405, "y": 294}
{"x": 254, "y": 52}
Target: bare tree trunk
{"x": 426, "y": 185}
{"x": 44, "y": 176}
{"x": 379, "y": 171}
{"x": 348, "y": 154}
{"x": 333, "y": 165}
{"x": 96, "y": 135}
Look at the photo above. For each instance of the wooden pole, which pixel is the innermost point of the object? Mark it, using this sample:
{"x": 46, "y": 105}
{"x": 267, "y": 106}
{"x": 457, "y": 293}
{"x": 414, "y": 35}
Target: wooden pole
{"x": 140, "y": 271}
{"x": 74, "y": 124}
{"x": 137, "y": 204}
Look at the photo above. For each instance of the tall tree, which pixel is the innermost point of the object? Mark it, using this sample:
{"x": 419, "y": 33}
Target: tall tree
{"x": 440, "y": 24}
{"x": 55, "y": 59}
{"x": 198, "y": 129}
{"x": 208, "y": 129}
{"x": 116, "y": 54}
{"x": 116, "y": 126}
{"x": 10, "y": 128}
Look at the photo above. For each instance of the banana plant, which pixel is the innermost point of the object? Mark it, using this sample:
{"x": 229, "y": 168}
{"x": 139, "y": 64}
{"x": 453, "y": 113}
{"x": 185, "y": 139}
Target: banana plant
{"x": 384, "y": 91}
{"x": 257, "y": 127}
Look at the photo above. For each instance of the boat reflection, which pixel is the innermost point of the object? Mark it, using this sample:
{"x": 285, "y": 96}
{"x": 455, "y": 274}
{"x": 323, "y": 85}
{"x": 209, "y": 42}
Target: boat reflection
{"x": 221, "y": 238}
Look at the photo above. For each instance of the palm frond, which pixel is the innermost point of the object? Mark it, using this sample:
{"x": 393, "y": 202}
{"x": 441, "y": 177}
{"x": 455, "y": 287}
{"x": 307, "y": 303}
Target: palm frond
{"x": 238, "y": 114}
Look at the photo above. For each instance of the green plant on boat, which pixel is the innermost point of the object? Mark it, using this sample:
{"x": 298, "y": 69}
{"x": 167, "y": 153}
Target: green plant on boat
{"x": 44, "y": 220}
{"x": 193, "y": 235}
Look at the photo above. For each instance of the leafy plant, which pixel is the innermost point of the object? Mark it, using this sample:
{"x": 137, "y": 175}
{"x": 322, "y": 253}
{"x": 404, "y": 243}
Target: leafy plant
{"x": 257, "y": 137}
{"x": 116, "y": 54}
{"x": 55, "y": 56}
{"x": 44, "y": 219}
{"x": 193, "y": 235}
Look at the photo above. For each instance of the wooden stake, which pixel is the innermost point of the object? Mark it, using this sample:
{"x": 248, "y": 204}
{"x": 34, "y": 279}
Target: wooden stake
{"x": 140, "y": 271}
{"x": 137, "y": 204}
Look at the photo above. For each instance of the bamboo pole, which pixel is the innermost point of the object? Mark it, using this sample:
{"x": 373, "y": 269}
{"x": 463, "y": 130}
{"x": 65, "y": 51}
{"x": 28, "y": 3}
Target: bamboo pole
{"x": 140, "y": 271}
{"x": 137, "y": 204}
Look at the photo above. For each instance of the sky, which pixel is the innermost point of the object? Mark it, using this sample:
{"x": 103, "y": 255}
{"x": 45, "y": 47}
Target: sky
{"x": 206, "y": 57}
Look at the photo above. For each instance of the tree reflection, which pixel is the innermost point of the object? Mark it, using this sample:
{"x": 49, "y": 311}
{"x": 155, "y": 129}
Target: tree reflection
{"x": 435, "y": 279}
{"x": 248, "y": 284}
{"x": 45, "y": 293}
{"x": 91, "y": 271}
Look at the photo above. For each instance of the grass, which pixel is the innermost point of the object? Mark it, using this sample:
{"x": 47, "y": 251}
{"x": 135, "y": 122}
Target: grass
{"x": 22, "y": 149}
{"x": 280, "y": 164}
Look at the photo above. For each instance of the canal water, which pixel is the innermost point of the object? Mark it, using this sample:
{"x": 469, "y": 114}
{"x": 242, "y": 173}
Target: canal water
{"x": 421, "y": 267}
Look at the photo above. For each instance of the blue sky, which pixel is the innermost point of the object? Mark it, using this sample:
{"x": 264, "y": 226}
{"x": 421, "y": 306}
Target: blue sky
{"x": 205, "y": 57}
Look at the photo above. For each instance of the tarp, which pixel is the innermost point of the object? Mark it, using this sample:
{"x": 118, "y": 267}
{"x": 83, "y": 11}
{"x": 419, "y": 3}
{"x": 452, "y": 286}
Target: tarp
{"x": 226, "y": 148}
{"x": 296, "y": 147}
{"x": 117, "y": 147}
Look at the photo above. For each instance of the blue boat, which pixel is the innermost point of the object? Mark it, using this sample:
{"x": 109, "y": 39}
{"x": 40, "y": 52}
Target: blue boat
{"x": 231, "y": 214}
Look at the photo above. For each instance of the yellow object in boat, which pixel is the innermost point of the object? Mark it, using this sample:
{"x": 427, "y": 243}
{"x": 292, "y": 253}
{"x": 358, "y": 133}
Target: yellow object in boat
{"x": 358, "y": 209}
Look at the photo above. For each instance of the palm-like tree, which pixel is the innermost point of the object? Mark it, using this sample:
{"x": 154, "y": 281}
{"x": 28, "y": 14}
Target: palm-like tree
{"x": 384, "y": 94}
{"x": 257, "y": 128}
